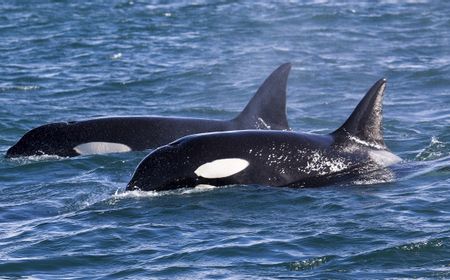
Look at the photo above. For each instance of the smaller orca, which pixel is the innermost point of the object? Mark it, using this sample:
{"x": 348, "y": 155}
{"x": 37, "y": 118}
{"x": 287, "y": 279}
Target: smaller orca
{"x": 266, "y": 110}
{"x": 272, "y": 158}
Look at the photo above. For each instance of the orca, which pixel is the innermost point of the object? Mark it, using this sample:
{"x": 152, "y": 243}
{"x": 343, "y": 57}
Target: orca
{"x": 272, "y": 158}
{"x": 266, "y": 110}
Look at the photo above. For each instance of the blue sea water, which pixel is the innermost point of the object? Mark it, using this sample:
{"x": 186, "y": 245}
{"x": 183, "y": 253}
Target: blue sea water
{"x": 71, "y": 218}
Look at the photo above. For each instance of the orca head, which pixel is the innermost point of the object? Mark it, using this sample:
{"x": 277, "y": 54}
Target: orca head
{"x": 163, "y": 169}
{"x": 47, "y": 139}
{"x": 186, "y": 163}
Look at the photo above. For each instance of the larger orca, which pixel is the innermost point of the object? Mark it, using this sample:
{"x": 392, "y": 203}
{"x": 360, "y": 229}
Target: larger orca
{"x": 266, "y": 110}
{"x": 273, "y": 158}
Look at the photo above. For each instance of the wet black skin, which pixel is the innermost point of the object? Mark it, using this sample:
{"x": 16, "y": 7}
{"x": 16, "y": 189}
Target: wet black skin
{"x": 138, "y": 133}
{"x": 266, "y": 110}
{"x": 276, "y": 158}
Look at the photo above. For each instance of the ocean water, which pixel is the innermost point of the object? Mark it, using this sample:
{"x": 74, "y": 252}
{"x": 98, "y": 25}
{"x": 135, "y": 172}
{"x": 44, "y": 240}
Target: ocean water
{"x": 71, "y": 218}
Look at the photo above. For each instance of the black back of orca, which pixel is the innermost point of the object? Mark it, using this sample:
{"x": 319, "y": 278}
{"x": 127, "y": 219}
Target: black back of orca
{"x": 266, "y": 110}
{"x": 274, "y": 158}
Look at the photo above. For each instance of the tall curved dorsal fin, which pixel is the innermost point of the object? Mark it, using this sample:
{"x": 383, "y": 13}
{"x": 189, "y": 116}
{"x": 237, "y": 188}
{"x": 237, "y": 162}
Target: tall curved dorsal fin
{"x": 267, "y": 108}
{"x": 365, "y": 123}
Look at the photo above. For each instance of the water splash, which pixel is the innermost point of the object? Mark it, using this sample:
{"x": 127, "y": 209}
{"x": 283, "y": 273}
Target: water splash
{"x": 436, "y": 149}
{"x": 33, "y": 159}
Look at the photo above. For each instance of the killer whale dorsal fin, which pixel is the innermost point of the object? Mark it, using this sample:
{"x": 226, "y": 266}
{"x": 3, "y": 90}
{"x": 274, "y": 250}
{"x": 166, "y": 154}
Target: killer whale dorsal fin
{"x": 267, "y": 108}
{"x": 365, "y": 123}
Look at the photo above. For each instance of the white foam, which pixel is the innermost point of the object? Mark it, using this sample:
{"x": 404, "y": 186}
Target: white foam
{"x": 434, "y": 150}
{"x": 137, "y": 193}
{"x": 221, "y": 168}
{"x": 198, "y": 189}
{"x": 116, "y": 56}
{"x": 150, "y": 194}
{"x": 29, "y": 159}
{"x": 93, "y": 148}
{"x": 380, "y": 176}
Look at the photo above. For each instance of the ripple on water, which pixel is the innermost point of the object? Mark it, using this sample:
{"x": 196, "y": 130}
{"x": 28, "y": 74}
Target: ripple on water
{"x": 71, "y": 216}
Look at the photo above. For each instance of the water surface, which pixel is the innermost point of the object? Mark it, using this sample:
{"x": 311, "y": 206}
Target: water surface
{"x": 62, "y": 60}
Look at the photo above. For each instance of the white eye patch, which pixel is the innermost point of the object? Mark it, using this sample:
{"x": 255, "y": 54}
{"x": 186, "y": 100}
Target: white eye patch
{"x": 93, "y": 148}
{"x": 221, "y": 168}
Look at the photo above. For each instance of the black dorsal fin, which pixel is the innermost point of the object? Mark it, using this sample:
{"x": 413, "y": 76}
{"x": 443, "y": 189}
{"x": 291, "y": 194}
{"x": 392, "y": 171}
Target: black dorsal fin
{"x": 365, "y": 123}
{"x": 267, "y": 108}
